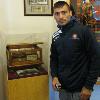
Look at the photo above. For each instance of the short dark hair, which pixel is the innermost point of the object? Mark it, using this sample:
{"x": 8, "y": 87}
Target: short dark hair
{"x": 60, "y": 4}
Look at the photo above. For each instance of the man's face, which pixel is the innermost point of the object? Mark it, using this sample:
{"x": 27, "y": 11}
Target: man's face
{"x": 62, "y": 15}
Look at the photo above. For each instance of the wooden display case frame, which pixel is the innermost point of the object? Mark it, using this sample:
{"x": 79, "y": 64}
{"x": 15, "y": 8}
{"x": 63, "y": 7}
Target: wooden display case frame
{"x": 23, "y": 54}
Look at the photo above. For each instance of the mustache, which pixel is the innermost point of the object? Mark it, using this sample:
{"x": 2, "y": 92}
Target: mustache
{"x": 62, "y": 20}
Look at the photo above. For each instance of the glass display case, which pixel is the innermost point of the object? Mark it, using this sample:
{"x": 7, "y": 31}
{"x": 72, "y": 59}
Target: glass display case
{"x": 24, "y": 60}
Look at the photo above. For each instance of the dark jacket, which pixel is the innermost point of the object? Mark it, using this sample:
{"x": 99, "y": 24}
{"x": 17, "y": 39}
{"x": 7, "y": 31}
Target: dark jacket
{"x": 74, "y": 57}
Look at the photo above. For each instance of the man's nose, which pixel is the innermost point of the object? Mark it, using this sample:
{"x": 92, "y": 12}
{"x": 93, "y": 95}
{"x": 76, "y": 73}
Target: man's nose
{"x": 60, "y": 15}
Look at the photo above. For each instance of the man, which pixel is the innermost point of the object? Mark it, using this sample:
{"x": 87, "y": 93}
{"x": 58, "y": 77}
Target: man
{"x": 74, "y": 56}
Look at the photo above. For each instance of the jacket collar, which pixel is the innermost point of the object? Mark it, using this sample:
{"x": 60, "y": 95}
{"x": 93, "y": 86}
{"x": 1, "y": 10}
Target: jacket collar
{"x": 67, "y": 26}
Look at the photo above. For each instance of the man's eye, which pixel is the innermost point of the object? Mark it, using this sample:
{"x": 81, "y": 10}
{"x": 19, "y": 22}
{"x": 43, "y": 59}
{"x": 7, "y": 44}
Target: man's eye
{"x": 56, "y": 13}
{"x": 64, "y": 12}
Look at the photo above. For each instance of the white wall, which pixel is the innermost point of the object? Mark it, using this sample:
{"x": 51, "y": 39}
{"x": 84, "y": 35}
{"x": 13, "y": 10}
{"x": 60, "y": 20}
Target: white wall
{"x": 3, "y": 28}
{"x": 3, "y": 17}
{"x": 18, "y": 23}
{"x": 15, "y": 28}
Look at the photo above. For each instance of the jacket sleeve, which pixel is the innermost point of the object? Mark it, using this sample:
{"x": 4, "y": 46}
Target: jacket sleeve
{"x": 92, "y": 49}
{"x": 54, "y": 60}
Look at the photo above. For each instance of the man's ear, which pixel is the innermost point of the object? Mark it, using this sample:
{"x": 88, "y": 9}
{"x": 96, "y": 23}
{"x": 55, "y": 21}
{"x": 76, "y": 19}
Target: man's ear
{"x": 70, "y": 13}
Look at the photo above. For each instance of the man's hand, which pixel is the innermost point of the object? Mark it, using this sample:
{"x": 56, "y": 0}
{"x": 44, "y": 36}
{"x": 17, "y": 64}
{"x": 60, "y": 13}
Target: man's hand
{"x": 54, "y": 82}
{"x": 85, "y": 93}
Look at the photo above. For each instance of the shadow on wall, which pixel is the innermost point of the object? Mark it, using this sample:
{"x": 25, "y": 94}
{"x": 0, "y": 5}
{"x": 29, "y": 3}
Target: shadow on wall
{"x": 2, "y": 66}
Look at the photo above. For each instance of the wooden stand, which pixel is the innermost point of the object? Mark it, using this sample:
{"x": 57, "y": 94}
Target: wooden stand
{"x": 30, "y": 88}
